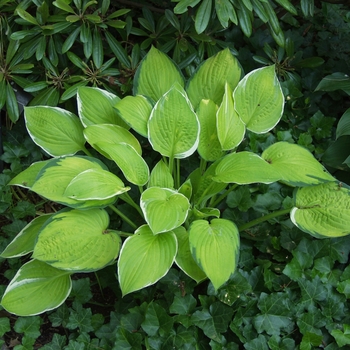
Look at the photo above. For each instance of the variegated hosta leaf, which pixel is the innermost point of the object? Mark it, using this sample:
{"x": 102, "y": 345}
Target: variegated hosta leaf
{"x": 295, "y": 164}
{"x": 130, "y": 162}
{"x": 24, "y": 242}
{"x": 37, "y": 287}
{"x": 323, "y": 210}
{"x": 77, "y": 240}
{"x": 145, "y": 258}
{"x": 160, "y": 176}
{"x": 230, "y": 127}
{"x": 173, "y": 128}
{"x": 215, "y": 248}
{"x": 209, "y": 147}
{"x": 135, "y": 111}
{"x": 209, "y": 80}
{"x": 259, "y": 100}
{"x": 184, "y": 259}
{"x": 95, "y": 106}
{"x": 57, "y": 131}
{"x": 155, "y": 75}
{"x": 245, "y": 168}
{"x": 164, "y": 209}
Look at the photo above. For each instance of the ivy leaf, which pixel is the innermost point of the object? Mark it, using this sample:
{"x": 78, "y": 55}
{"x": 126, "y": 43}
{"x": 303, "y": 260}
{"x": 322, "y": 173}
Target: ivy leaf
{"x": 30, "y": 326}
{"x": 312, "y": 291}
{"x": 311, "y": 322}
{"x": 183, "y": 305}
{"x": 23, "y": 209}
{"x": 257, "y": 344}
{"x": 310, "y": 340}
{"x": 127, "y": 341}
{"x": 80, "y": 318}
{"x": 4, "y": 325}
{"x": 157, "y": 321}
{"x": 321, "y": 125}
{"x": 240, "y": 198}
{"x": 275, "y": 314}
{"x": 81, "y": 290}
{"x": 57, "y": 343}
{"x": 342, "y": 338}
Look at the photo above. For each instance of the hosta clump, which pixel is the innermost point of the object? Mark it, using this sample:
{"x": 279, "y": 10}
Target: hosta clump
{"x": 205, "y": 118}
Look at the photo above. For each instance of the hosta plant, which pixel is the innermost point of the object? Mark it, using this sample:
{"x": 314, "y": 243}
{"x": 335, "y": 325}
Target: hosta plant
{"x": 167, "y": 199}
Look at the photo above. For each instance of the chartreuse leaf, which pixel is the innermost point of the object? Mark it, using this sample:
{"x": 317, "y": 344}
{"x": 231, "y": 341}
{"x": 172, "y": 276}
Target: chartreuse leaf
{"x": 173, "y": 128}
{"x": 53, "y": 179}
{"x": 295, "y": 164}
{"x": 24, "y": 242}
{"x": 135, "y": 111}
{"x": 230, "y": 127}
{"x": 209, "y": 146}
{"x": 155, "y": 75}
{"x": 77, "y": 240}
{"x": 37, "y": 287}
{"x": 95, "y": 184}
{"x": 133, "y": 166}
{"x": 55, "y": 130}
{"x": 145, "y": 258}
{"x": 184, "y": 259}
{"x": 160, "y": 176}
{"x": 259, "y": 100}
{"x": 96, "y": 106}
{"x": 245, "y": 168}
{"x": 164, "y": 209}
{"x": 209, "y": 80}
{"x": 28, "y": 176}
{"x": 215, "y": 248}
{"x": 112, "y": 134}
{"x": 322, "y": 210}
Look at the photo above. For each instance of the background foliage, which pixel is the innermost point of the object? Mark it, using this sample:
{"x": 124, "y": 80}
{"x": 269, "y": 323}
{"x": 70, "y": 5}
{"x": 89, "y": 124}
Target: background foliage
{"x": 290, "y": 291}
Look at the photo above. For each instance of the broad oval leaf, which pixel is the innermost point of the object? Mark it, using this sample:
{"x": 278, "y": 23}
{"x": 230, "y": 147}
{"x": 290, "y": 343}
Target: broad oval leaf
{"x": 37, "y": 287}
{"x": 96, "y": 106}
{"x": 245, "y": 168}
{"x": 323, "y": 210}
{"x": 209, "y": 147}
{"x": 95, "y": 184}
{"x": 295, "y": 164}
{"x": 133, "y": 166}
{"x": 215, "y": 248}
{"x": 343, "y": 127}
{"x": 145, "y": 258}
{"x": 112, "y": 134}
{"x": 259, "y": 100}
{"x": 156, "y": 74}
{"x": 208, "y": 82}
{"x": 161, "y": 176}
{"x": 77, "y": 240}
{"x": 24, "y": 242}
{"x": 173, "y": 128}
{"x": 53, "y": 179}
{"x": 57, "y": 131}
{"x": 135, "y": 111}
{"x": 164, "y": 209}
{"x": 184, "y": 259}
{"x": 230, "y": 127}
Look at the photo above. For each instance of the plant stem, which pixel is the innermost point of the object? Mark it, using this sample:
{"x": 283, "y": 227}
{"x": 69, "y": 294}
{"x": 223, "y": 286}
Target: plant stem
{"x": 87, "y": 152}
{"x": 124, "y": 217}
{"x": 127, "y": 199}
{"x": 177, "y": 176}
{"x": 263, "y": 218}
{"x": 223, "y": 196}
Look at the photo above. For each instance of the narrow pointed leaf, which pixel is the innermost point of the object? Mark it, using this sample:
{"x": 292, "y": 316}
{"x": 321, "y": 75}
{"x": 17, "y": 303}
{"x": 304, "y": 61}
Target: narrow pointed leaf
{"x": 112, "y": 134}
{"x": 155, "y": 75}
{"x": 135, "y": 111}
{"x": 101, "y": 111}
{"x": 24, "y": 242}
{"x": 160, "y": 176}
{"x": 133, "y": 166}
{"x": 173, "y": 128}
{"x": 209, "y": 80}
{"x": 295, "y": 164}
{"x": 215, "y": 248}
{"x": 209, "y": 146}
{"x": 245, "y": 168}
{"x": 77, "y": 240}
{"x": 259, "y": 100}
{"x": 164, "y": 209}
{"x": 95, "y": 184}
{"x": 55, "y": 130}
{"x": 184, "y": 259}
{"x": 145, "y": 258}
{"x": 203, "y": 16}
{"x": 230, "y": 127}
{"x": 36, "y": 288}
{"x": 323, "y": 210}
